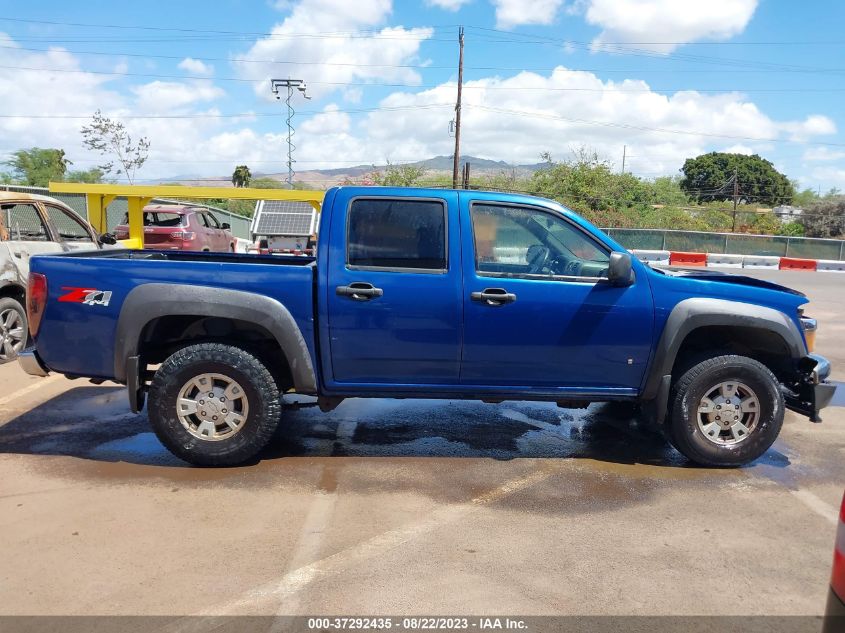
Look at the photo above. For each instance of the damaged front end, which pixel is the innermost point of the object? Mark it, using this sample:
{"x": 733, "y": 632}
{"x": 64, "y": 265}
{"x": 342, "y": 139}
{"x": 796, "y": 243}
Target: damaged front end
{"x": 810, "y": 392}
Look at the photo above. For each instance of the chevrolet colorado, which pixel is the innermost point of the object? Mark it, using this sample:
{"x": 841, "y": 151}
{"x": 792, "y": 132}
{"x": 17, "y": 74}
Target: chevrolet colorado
{"x": 428, "y": 293}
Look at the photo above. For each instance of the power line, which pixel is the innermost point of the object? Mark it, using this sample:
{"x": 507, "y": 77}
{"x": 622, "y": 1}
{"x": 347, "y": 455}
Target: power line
{"x": 424, "y": 86}
{"x": 241, "y": 60}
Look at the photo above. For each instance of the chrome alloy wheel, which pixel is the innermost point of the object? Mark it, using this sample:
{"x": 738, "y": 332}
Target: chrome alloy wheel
{"x": 728, "y": 413}
{"x": 212, "y": 407}
{"x": 12, "y": 335}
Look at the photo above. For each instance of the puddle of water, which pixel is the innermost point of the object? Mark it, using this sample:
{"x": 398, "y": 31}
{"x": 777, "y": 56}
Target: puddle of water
{"x": 143, "y": 447}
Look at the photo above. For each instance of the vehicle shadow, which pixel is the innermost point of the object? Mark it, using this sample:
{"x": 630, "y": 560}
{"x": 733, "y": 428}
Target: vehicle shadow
{"x": 93, "y": 423}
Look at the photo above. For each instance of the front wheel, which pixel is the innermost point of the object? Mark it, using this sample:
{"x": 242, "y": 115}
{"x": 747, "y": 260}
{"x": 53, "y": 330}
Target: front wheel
{"x": 725, "y": 411}
{"x": 214, "y": 405}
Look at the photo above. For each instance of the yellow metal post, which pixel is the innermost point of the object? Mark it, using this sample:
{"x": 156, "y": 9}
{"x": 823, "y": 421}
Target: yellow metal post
{"x": 99, "y": 197}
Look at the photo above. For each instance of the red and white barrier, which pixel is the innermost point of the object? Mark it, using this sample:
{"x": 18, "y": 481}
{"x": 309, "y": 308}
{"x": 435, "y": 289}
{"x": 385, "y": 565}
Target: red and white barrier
{"x": 727, "y": 260}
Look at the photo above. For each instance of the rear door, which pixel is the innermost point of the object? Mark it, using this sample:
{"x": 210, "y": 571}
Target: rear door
{"x": 394, "y": 291}
{"x": 221, "y": 243}
{"x": 28, "y": 234}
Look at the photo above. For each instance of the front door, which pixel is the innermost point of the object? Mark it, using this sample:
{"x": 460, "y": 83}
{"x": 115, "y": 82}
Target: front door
{"x": 27, "y": 234}
{"x": 538, "y": 310}
{"x": 394, "y": 291}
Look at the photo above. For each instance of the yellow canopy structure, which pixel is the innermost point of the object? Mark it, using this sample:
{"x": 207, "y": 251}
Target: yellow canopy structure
{"x": 99, "y": 197}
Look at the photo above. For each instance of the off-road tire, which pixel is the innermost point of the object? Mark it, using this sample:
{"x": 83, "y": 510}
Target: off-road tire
{"x": 6, "y": 304}
{"x": 257, "y": 383}
{"x": 682, "y": 427}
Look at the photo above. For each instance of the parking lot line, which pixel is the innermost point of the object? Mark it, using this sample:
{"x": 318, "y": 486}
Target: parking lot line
{"x": 822, "y": 508}
{"x": 298, "y": 579}
{"x": 29, "y": 388}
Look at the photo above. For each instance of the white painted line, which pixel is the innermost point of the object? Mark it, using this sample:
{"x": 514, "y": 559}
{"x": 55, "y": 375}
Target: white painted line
{"x": 822, "y": 508}
{"x": 294, "y": 581}
{"x": 30, "y": 388}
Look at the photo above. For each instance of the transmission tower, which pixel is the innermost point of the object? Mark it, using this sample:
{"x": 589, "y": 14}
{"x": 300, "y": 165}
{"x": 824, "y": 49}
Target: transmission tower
{"x": 276, "y": 85}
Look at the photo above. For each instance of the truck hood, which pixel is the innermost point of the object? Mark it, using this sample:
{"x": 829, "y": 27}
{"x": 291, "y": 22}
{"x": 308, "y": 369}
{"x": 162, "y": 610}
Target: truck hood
{"x": 728, "y": 278}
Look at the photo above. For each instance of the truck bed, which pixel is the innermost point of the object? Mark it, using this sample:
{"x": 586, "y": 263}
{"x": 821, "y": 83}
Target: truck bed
{"x": 79, "y": 338}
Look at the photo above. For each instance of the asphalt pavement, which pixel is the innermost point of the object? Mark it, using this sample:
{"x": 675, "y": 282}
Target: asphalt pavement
{"x": 414, "y": 507}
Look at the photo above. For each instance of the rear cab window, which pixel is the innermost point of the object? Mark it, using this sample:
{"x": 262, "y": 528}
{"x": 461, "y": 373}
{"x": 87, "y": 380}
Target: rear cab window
{"x": 397, "y": 234}
{"x": 159, "y": 218}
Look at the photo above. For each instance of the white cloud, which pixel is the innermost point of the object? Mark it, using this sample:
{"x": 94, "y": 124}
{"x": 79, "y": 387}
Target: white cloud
{"x": 357, "y": 51}
{"x": 196, "y": 67}
{"x": 813, "y": 125}
{"x": 829, "y": 177}
{"x": 822, "y": 154}
{"x": 675, "y": 21}
{"x": 447, "y": 5}
{"x": 167, "y": 96}
{"x": 511, "y": 13}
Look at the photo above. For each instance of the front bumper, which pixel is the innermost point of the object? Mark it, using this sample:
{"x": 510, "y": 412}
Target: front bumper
{"x": 812, "y": 392}
{"x": 31, "y": 364}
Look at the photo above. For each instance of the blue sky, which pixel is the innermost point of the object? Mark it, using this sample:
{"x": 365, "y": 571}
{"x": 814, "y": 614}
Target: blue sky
{"x": 667, "y": 79}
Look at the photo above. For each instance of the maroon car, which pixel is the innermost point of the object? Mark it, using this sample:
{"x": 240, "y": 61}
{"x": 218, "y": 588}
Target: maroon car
{"x": 182, "y": 228}
{"x": 834, "y": 621}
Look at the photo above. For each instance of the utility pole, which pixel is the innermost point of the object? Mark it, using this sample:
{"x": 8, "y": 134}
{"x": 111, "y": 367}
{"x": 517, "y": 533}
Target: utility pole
{"x": 457, "y": 158}
{"x": 624, "y": 151}
{"x": 736, "y": 198}
{"x": 291, "y": 85}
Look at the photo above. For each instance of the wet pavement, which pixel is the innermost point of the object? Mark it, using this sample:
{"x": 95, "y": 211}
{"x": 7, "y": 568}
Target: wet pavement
{"x": 413, "y": 507}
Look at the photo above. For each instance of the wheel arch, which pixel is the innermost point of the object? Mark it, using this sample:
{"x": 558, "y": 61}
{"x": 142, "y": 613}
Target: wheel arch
{"x": 149, "y": 303}
{"x": 743, "y": 326}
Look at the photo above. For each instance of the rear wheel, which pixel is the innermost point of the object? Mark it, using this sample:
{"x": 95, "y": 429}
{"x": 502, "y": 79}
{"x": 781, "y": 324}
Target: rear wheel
{"x": 13, "y": 329}
{"x": 214, "y": 405}
{"x": 725, "y": 411}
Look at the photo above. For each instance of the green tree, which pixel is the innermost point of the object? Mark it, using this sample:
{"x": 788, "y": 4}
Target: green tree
{"x": 241, "y": 176}
{"x": 825, "y": 218}
{"x": 110, "y": 138}
{"x": 398, "y": 176}
{"x": 93, "y": 175}
{"x": 267, "y": 183}
{"x": 37, "y": 166}
{"x": 710, "y": 177}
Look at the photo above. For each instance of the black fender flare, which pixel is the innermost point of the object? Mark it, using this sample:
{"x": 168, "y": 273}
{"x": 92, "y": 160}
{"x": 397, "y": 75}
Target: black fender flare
{"x": 691, "y": 314}
{"x": 151, "y": 301}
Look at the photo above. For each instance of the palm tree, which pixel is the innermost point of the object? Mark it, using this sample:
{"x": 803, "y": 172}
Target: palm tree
{"x": 241, "y": 176}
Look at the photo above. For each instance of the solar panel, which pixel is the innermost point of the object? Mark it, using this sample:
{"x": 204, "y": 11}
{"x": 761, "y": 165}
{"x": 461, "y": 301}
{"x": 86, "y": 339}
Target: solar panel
{"x": 283, "y": 217}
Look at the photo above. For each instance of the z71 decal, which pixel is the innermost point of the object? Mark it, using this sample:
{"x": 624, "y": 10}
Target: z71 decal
{"x": 87, "y": 296}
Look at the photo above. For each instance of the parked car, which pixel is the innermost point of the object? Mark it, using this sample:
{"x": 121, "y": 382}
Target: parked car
{"x": 427, "y": 293}
{"x": 834, "y": 618}
{"x": 181, "y": 227}
{"x": 31, "y": 225}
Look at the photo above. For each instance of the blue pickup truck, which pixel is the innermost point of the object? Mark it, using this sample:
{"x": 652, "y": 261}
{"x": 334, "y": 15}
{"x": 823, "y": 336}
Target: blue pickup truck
{"x": 428, "y": 293}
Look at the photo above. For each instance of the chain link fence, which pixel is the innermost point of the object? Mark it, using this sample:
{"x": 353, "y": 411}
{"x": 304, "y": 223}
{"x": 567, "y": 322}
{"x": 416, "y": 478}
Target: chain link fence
{"x": 736, "y": 243}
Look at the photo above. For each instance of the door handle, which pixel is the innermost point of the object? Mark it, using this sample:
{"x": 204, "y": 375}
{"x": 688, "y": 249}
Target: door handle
{"x": 494, "y": 296}
{"x": 359, "y": 291}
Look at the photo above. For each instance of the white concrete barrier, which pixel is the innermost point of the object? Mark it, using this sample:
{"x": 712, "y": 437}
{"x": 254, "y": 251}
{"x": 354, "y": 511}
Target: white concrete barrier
{"x": 760, "y": 261}
{"x": 830, "y": 266}
{"x": 653, "y": 257}
{"x": 724, "y": 260}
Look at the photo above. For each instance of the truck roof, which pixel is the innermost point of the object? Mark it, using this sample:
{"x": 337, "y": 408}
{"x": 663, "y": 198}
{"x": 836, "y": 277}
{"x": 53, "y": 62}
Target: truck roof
{"x": 11, "y": 196}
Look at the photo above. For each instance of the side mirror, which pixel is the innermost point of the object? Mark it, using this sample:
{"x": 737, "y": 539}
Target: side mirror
{"x": 107, "y": 238}
{"x": 620, "y": 271}
{"x": 225, "y": 226}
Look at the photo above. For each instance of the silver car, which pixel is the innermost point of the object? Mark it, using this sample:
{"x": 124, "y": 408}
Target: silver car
{"x": 31, "y": 225}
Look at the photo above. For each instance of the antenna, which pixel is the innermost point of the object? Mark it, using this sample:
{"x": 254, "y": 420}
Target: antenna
{"x": 290, "y": 84}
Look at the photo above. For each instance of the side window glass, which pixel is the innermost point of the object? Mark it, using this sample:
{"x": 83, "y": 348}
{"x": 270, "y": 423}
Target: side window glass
{"x": 212, "y": 221}
{"x": 22, "y": 223}
{"x": 525, "y": 241}
{"x": 397, "y": 234}
{"x": 203, "y": 219}
{"x": 70, "y": 229}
